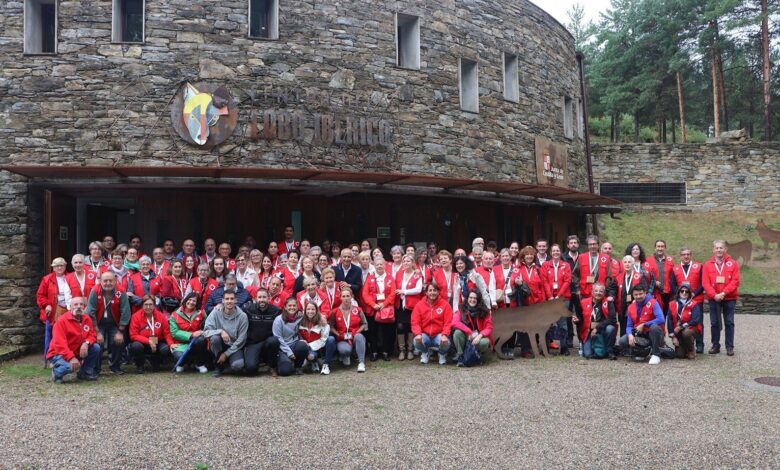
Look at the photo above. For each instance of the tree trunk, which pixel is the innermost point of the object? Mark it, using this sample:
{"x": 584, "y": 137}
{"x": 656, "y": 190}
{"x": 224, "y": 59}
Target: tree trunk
{"x": 636, "y": 127}
{"x": 681, "y": 102}
{"x": 715, "y": 96}
{"x": 766, "y": 77}
{"x": 674, "y": 134}
{"x": 663, "y": 128}
{"x": 612, "y": 128}
{"x": 722, "y": 88}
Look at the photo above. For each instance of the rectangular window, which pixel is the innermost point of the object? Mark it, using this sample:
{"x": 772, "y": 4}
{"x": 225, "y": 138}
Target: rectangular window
{"x": 40, "y": 27}
{"x": 407, "y": 41}
{"x": 127, "y": 21}
{"x": 645, "y": 193}
{"x": 264, "y": 19}
{"x": 580, "y": 119}
{"x": 568, "y": 117}
{"x": 469, "y": 85}
{"x": 511, "y": 82}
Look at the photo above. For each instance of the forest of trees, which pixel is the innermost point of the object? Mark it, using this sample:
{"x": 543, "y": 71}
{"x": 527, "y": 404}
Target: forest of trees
{"x": 674, "y": 70}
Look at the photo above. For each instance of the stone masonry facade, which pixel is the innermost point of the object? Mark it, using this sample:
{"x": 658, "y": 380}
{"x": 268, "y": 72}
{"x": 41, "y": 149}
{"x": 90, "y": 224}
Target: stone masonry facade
{"x": 101, "y": 103}
{"x": 718, "y": 177}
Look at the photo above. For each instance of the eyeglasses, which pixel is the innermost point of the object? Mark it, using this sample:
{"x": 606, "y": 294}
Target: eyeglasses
{"x": 685, "y": 290}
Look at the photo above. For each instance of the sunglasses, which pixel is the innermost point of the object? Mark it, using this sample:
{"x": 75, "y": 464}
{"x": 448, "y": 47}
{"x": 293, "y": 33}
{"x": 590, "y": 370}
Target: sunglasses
{"x": 685, "y": 290}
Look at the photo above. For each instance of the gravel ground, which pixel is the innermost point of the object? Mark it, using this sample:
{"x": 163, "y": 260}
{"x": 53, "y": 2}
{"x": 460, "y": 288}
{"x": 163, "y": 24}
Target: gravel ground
{"x": 566, "y": 412}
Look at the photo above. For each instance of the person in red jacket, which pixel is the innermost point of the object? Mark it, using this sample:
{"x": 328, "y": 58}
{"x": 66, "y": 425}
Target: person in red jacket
{"x": 288, "y": 273}
{"x": 445, "y": 277}
{"x": 686, "y": 322}
{"x": 556, "y": 276}
{"x": 54, "y": 294}
{"x": 661, "y": 265}
{"x": 598, "y": 319}
{"x": 311, "y": 293}
{"x": 141, "y": 283}
{"x": 432, "y": 324}
{"x": 378, "y": 293}
{"x": 81, "y": 277}
{"x": 473, "y": 322}
{"x": 408, "y": 292}
{"x": 289, "y": 243}
{"x": 721, "y": 283}
{"x": 73, "y": 346}
{"x": 150, "y": 335}
{"x": 173, "y": 287}
{"x": 691, "y": 272}
{"x": 348, "y": 324}
{"x": 203, "y": 285}
{"x": 504, "y": 273}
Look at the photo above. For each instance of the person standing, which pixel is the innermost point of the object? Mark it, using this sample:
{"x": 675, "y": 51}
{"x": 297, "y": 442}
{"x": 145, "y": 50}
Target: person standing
{"x": 691, "y": 272}
{"x": 721, "y": 284}
{"x": 289, "y": 243}
{"x": 661, "y": 267}
{"x": 347, "y": 274}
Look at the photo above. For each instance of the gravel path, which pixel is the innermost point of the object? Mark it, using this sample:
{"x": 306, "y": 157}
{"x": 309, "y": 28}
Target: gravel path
{"x": 566, "y": 412}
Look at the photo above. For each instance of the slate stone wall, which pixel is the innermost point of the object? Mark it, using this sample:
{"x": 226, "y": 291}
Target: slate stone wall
{"x": 99, "y": 103}
{"x": 718, "y": 177}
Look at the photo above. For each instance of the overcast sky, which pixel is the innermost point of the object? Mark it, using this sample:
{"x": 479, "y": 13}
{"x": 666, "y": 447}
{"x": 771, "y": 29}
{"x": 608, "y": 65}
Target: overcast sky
{"x": 558, "y": 8}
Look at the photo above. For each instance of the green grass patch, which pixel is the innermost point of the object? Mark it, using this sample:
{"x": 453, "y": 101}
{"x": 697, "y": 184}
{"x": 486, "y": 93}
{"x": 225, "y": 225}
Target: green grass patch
{"x": 23, "y": 371}
{"x": 697, "y": 231}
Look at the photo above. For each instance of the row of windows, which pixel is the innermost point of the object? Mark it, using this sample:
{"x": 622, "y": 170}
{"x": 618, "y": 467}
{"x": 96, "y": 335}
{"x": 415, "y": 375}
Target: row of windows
{"x": 128, "y": 26}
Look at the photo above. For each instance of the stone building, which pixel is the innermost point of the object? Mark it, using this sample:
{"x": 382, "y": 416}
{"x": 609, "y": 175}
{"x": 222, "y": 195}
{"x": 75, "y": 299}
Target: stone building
{"x": 402, "y": 121}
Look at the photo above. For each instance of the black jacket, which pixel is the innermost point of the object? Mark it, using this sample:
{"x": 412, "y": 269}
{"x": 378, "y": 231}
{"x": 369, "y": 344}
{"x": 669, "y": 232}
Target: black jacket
{"x": 354, "y": 278}
{"x": 260, "y": 321}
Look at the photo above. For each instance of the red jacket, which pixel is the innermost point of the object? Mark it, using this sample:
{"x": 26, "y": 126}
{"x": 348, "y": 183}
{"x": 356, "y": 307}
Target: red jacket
{"x": 587, "y": 315}
{"x": 89, "y": 279}
{"x": 121, "y": 284}
{"x": 411, "y": 283}
{"x": 288, "y": 279}
{"x": 321, "y": 300}
{"x": 137, "y": 284}
{"x": 183, "y": 324}
{"x": 141, "y": 330}
{"x": 445, "y": 288}
{"x": 114, "y": 305}
{"x": 425, "y": 271}
{"x": 336, "y": 301}
{"x": 283, "y": 246}
{"x": 68, "y": 334}
{"x": 203, "y": 294}
{"x": 694, "y": 278}
{"x": 605, "y": 267}
{"x": 161, "y": 271}
{"x": 278, "y": 299}
{"x": 341, "y": 325}
{"x": 651, "y": 265}
{"x": 483, "y": 325}
{"x": 47, "y": 294}
{"x": 563, "y": 288}
{"x": 503, "y": 284}
{"x": 432, "y": 319}
{"x": 687, "y": 314}
{"x": 370, "y": 291}
{"x": 534, "y": 281}
{"x": 723, "y": 278}
{"x": 171, "y": 287}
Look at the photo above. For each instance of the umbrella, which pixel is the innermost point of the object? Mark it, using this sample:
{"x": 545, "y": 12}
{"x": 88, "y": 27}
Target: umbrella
{"x": 184, "y": 354}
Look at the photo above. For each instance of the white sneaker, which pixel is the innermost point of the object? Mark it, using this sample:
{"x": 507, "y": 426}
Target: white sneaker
{"x": 179, "y": 369}
{"x": 424, "y": 358}
{"x": 442, "y": 359}
{"x": 202, "y": 369}
{"x": 325, "y": 369}
{"x": 346, "y": 361}
{"x": 654, "y": 360}
{"x": 361, "y": 367}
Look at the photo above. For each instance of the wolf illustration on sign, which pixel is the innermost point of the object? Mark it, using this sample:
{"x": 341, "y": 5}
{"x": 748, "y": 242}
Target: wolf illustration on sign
{"x": 533, "y": 319}
{"x": 767, "y": 234}
{"x": 202, "y": 111}
{"x": 741, "y": 251}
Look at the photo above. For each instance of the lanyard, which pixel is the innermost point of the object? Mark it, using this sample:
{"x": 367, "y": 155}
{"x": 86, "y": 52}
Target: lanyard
{"x": 81, "y": 281}
{"x": 180, "y": 285}
{"x": 347, "y": 319}
{"x": 529, "y": 272}
{"x": 331, "y": 293}
{"x": 107, "y": 301}
{"x": 158, "y": 269}
{"x": 686, "y": 272}
{"x": 150, "y": 324}
{"x": 380, "y": 284}
{"x": 593, "y": 266}
{"x": 719, "y": 267}
{"x": 555, "y": 271}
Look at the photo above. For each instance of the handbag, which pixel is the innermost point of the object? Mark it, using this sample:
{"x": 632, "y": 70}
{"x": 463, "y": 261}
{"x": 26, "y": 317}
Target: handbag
{"x": 385, "y": 315}
{"x": 471, "y": 356}
{"x": 170, "y": 304}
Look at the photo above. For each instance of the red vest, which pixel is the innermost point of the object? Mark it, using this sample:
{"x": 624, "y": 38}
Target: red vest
{"x": 90, "y": 279}
{"x": 694, "y": 277}
{"x": 503, "y": 284}
{"x": 607, "y": 267}
{"x": 652, "y": 265}
{"x": 563, "y": 289}
{"x": 647, "y": 314}
{"x": 636, "y": 279}
{"x": 411, "y": 300}
{"x": 321, "y": 300}
{"x": 587, "y": 313}
{"x": 203, "y": 294}
{"x": 687, "y": 314}
{"x": 192, "y": 325}
{"x": 534, "y": 282}
{"x": 341, "y": 325}
{"x": 370, "y": 291}
{"x": 113, "y": 305}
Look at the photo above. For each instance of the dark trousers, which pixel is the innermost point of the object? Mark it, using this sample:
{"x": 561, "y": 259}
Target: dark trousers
{"x": 236, "y": 360}
{"x": 655, "y": 335}
{"x": 265, "y": 351}
{"x": 285, "y": 365}
{"x": 139, "y": 352}
{"x": 108, "y": 328}
{"x": 198, "y": 354}
{"x": 726, "y": 308}
{"x": 385, "y": 334}
{"x": 576, "y": 308}
{"x": 372, "y": 336}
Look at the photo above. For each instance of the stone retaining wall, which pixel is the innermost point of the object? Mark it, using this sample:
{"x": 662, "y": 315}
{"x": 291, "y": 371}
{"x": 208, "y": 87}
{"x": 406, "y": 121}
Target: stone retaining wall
{"x": 723, "y": 177}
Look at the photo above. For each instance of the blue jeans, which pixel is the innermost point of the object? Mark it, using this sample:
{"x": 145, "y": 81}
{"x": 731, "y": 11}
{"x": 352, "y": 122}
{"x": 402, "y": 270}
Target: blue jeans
{"x": 61, "y": 367}
{"x": 609, "y": 339}
{"x": 108, "y": 329}
{"x": 47, "y": 330}
{"x": 726, "y": 308}
{"x": 330, "y": 349}
{"x": 435, "y": 342}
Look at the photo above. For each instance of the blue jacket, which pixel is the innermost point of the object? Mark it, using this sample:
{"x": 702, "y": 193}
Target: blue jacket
{"x": 659, "y": 314}
{"x": 242, "y": 296}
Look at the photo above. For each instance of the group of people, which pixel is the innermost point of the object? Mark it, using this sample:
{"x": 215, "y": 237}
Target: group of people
{"x": 298, "y": 307}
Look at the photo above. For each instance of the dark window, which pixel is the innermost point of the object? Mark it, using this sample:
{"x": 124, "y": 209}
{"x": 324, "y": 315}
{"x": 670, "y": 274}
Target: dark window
{"x": 48, "y": 28}
{"x": 408, "y": 41}
{"x": 263, "y": 19}
{"x": 647, "y": 193}
{"x": 128, "y": 21}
